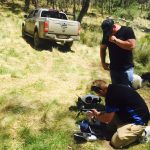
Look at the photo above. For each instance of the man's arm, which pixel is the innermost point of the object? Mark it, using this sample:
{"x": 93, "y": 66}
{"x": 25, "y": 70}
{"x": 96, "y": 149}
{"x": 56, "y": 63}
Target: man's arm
{"x": 105, "y": 117}
{"x": 127, "y": 45}
{"x": 101, "y": 116}
{"x": 103, "y": 56}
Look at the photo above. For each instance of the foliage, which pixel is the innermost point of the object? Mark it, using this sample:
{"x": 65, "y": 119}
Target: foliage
{"x": 91, "y": 31}
{"x": 142, "y": 54}
{"x": 90, "y": 38}
{"x": 45, "y": 140}
{"x": 148, "y": 16}
{"x": 128, "y": 13}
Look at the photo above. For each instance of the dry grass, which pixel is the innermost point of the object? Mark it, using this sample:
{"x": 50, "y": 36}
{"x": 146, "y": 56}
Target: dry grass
{"x": 38, "y": 87}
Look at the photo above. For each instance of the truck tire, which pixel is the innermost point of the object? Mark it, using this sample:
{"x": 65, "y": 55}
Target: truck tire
{"x": 68, "y": 44}
{"x": 37, "y": 40}
{"x": 23, "y": 31}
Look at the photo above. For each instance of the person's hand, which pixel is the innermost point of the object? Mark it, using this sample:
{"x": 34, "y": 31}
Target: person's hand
{"x": 90, "y": 115}
{"x": 93, "y": 113}
{"x": 106, "y": 66}
{"x": 112, "y": 39}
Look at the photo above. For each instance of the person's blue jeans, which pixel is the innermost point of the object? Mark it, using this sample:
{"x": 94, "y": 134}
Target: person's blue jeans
{"x": 122, "y": 77}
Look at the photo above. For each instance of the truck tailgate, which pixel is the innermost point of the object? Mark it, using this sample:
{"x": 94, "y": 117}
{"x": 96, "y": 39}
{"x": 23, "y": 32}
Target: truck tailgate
{"x": 64, "y": 27}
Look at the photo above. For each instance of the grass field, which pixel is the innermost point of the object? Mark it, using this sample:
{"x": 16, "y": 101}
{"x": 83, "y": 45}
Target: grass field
{"x": 38, "y": 88}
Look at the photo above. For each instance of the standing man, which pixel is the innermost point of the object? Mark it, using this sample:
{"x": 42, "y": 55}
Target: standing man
{"x": 125, "y": 111}
{"x": 120, "y": 41}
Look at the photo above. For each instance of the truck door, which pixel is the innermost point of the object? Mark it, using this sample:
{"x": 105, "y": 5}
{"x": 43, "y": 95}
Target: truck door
{"x": 28, "y": 22}
{"x": 33, "y": 21}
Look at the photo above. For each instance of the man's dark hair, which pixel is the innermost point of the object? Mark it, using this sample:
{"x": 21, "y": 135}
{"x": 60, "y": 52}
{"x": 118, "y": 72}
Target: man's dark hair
{"x": 107, "y": 26}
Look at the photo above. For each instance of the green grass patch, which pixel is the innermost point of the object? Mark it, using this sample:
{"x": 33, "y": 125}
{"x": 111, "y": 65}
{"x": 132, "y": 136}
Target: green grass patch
{"x": 142, "y": 54}
{"x": 5, "y": 70}
{"x": 90, "y": 38}
{"x": 46, "y": 139}
{"x": 39, "y": 85}
{"x": 5, "y": 141}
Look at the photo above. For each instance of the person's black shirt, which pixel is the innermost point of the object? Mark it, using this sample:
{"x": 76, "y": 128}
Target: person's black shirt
{"x": 120, "y": 59}
{"x": 127, "y": 103}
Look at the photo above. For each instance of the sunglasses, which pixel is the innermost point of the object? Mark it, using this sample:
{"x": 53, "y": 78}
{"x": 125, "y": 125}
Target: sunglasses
{"x": 95, "y": 89}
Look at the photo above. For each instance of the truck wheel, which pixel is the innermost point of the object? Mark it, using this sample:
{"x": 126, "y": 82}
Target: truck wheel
{"x": 68, "y": 44}
{"x": 23, "y": 31}
{"x": 37, "y": 41}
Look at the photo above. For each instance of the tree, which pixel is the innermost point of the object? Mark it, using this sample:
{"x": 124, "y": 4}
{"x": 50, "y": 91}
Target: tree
{"x": 27, "y": 4}
{"x": 35, "y": 2}
{"x": 85, "y": 6}
{"x": 74, "y": 10}
{"x": 102, "y": 7}
{"x": 142, "y": 1}
{"x": 51, "y": 3}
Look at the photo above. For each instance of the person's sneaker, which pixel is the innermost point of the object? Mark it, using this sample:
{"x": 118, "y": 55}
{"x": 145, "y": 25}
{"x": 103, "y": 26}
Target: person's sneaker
{"x": 91, "y": 138}
{"x": 79, "y": 137}
{"x": 145, "y": 138}
{"x": 86, "y": 136}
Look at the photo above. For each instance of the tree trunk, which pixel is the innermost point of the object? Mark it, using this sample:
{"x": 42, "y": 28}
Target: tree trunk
{"x": 126, "y": 3}
{"x": 74, "y": 10}
{"x": 35, "y": 3}
{"x": 84, "y": 10}
{"x": 52, "y": 3}
{"x": 27, "y": 4}
{"x": 110, "y": 7}
{"x": 121, "y": 3}
{"x": 142, "y": 1}
{"x": 102, "y": 9}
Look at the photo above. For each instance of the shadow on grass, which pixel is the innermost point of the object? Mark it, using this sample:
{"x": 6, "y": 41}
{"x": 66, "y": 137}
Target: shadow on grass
{"x": 16, "y": 109}
{"x": 13, "y": 7}
{"x": 63, "y": 48}
{"x": 48, "y": 46}
{"x": 146, "y": 30}
{"x": 79, "y": 139}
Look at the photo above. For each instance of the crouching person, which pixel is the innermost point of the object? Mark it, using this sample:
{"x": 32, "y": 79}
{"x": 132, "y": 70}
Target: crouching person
{"x": 125, "y": 110}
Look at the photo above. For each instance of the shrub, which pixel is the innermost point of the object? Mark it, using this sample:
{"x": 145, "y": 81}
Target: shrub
{"x": 129, "y": 13}
{"x": 148, "y": 16}
{"x": 90, "y": 38}
{"x": 142, "y": 53}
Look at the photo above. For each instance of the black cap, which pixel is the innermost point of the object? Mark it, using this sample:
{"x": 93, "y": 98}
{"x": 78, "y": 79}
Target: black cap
{"x": 107, "y": 26}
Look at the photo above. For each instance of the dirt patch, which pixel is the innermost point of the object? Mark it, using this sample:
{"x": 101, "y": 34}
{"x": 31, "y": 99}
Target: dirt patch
{"x": 106, "y": 145}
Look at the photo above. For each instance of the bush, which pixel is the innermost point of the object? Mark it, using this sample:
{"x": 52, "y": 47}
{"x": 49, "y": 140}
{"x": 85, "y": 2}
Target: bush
{"x": 129, "y": 13}
{"x": 148, "y": 16}
{"x": 142, "y": 53}
{"x": 90, "y": 38}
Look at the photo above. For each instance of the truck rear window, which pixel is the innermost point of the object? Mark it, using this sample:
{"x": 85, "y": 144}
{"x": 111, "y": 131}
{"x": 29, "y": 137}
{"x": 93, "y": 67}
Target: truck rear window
{"x": 51, "y": 14}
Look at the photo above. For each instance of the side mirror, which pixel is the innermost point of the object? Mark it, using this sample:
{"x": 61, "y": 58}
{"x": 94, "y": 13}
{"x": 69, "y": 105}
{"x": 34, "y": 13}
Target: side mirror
{"x": 25, "y": 16}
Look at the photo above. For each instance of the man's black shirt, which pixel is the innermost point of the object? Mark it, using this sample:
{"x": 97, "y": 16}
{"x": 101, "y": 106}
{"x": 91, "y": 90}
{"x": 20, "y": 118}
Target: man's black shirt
{"x": 120, "y": 59}
{"x": 127, "y": 103}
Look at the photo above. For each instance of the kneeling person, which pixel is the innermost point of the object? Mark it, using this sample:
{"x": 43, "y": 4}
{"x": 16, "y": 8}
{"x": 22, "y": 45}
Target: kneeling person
{"x": 125, "y": 108}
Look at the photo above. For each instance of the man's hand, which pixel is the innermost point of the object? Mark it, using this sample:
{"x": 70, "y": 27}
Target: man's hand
{"x": 106, "y": 66}
{"x": 90, "y": 115}
{"x": 112, "y": 39}
{"x": 127, "y": 45}
{"x": 93, "y": 113}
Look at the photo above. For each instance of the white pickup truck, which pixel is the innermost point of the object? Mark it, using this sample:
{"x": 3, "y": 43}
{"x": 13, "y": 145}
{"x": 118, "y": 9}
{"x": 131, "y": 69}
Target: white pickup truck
{"x": 43, "y": 23}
